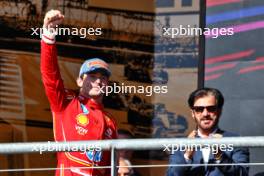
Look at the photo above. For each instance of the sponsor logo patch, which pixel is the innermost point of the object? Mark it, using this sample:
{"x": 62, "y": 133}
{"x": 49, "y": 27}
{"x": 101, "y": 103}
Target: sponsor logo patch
{"x": 80, "y": 130}
{"x": 93, "y": 155}
{"x": 82, "y": 120}
{"x": 109, "y": 132}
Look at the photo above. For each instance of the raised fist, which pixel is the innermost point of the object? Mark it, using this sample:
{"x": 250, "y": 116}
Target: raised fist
{"x": 52, "y": 19}
{"x": 193, "y": 134}
{"x": 190, "y": 152}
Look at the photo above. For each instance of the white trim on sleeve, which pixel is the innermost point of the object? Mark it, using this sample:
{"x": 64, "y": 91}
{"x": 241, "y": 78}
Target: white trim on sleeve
{"x": 48, "y": 36}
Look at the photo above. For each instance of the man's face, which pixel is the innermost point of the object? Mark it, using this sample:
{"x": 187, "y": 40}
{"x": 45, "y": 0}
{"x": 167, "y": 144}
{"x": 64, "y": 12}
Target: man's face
{"x": 206, "y": 118}
{"x": 124, "y": 169}
{"x": 94, "y": 84}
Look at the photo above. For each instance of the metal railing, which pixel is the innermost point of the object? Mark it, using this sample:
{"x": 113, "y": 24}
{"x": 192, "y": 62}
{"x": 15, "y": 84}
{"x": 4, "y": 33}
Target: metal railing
{"x": 129, "y": 144}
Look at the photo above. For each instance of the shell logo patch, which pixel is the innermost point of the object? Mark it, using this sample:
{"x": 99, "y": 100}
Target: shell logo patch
{"x": 82, "y": 120}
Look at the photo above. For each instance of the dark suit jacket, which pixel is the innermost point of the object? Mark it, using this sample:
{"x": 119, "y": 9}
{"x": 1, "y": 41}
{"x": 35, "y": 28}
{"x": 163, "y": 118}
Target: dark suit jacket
{"x": 237, "y": 155}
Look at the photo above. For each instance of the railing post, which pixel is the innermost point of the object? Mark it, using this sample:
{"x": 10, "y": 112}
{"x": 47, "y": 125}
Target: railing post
{"x": 113, "y": 161}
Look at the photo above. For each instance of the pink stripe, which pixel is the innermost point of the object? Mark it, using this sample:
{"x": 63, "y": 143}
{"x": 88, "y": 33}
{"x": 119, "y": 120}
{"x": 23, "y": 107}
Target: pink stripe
{"x": 210, "y": 3}
{"x": 258, "y": 60}
{"x": 228, "y": 57}
{"x": 214, "y": 76}
{"x": 248, "y": 26}
{"x": 48, "y": 38}
{"x": 251, "y": 69}
{"x": 241, "y": 28}
{"x": 220, "y": 67}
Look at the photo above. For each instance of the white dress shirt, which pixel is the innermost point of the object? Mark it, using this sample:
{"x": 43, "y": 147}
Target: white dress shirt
{"x": 206, "y": 150}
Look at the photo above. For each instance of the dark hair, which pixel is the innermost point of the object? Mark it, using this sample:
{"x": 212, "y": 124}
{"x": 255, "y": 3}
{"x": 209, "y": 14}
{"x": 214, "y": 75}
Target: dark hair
{"x": 199, "y": 93}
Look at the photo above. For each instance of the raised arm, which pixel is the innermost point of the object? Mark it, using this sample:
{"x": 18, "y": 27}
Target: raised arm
{"x": 49, "y": 63}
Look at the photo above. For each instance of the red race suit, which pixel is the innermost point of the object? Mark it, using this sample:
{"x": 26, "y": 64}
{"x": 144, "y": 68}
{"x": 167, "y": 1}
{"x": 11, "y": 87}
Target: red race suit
{"x": 75, "y": 118}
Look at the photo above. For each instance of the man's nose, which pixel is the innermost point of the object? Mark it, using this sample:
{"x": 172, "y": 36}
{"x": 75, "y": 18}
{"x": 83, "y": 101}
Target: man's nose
{"x": 98, "y": 80}
{"x": 205, "y": 112}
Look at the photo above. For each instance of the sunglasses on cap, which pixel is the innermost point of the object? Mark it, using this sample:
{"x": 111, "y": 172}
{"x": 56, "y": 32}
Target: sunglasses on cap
{"x": 200, "y": 109}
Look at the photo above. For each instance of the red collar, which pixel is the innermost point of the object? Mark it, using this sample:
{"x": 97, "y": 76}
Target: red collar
{"x": 90, "y": 103}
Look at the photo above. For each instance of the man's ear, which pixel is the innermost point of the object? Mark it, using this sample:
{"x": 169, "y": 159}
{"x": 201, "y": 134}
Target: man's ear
{"x": 79, "y": 82}
{"x": 192, "y": 113}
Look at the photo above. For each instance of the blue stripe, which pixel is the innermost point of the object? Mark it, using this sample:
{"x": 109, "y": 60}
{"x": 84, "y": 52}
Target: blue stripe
{"x": 234, "y": 15}
{"x": 84, "y": 109}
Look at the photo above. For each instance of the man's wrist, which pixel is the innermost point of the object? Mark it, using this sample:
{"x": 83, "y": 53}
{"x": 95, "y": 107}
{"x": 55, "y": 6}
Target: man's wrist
{"x": 48, "y": 36}
{"x": 187, "y": 157}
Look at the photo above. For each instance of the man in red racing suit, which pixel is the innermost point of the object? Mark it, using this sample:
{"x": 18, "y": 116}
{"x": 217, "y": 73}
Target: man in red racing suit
{"x": 79, "y": 117}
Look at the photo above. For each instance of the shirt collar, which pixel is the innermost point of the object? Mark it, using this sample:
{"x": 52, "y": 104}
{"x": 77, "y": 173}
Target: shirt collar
{"x": 202, "y": 136}
{"x": 90, "y": 103}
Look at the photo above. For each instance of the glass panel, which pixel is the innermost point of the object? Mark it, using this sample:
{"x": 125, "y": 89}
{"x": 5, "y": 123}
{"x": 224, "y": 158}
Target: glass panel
{"x": 165, "y": 3}
{"x": 233, "y": 64}
{"x": 186, "y": 3}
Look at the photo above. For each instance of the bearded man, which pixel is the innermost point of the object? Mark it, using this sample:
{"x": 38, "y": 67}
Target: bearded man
{"x": 206, "y": 106}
